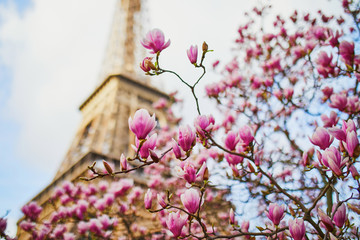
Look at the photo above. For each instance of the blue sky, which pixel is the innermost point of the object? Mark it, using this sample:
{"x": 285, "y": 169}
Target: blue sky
{"x": 49, "y": 63}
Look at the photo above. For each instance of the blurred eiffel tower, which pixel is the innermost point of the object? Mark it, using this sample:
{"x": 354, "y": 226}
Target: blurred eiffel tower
{"x": 103, "y": 133}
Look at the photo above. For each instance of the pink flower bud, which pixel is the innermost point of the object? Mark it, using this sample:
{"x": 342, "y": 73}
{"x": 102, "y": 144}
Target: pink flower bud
{"x": 161, "y": 201}
{"x": 297, "y": 229}
{"x": 191, "y": 200}
{"x": 325, "y": 220}
{"x": 142, "y": 124}
{"x": 327, "y": 91}
{"x": 339, "y": 215}
{"x": 192, "y": 53}
{"x": 232, "y": 217}
{"x": 321, "y": 138}
{"x": 148, "y": 199}
{"x": 155, "y": 41}
{"x": 352, "y": 142}
{"x": 186, "y": 138}
{"x": 231, "y": 140}
{"x": 276, "y": 213}
{"x": 175, "y": 222}
{"x": 176, "y": 149}
{"x": 246, "y": 135}
{"x": 145, "y": 65}
{"x": 354, "y": 172}
{"x": 347, "y": 52}
{"x": 123, "y": 163}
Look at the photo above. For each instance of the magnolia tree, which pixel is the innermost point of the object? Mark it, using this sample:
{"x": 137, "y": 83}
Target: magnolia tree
{"x": 279, "y": 162}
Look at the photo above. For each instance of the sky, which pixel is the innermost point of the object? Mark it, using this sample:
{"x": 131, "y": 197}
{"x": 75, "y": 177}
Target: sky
{"x": 50, "y": 56}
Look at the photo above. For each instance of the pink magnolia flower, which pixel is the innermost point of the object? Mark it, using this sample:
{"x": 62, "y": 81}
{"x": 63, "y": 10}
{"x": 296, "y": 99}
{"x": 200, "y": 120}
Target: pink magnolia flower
{"x": 321, "y": 138}
{"x": 192, "y": 53}
{"x": 176, "y": 149}
{"x": 161, "y": 200}
{"x": 155, "y": 41}
{"x": 123, "y": 163}
{"x": 297, "y": 228}
{"x": 325, "y": 66}
{"x": 347, "y": 52}
{"x": 31, "y": 210}
{"x": 246, "y": 135}
{"x": 354, "y": 172}
{"x": 330, "y": 121}
{"x": 325, "y": 220}
{"x": 288, "y": 93}
{"x": 148, "y": 199}
{"x": 191, "y": 200}
{"x": 83, "y": 227}
{"x": 175, "y": 222}
{"x": 339, "y": 215}
{"x": 145, "y": 64}
{"x": 338, "y": 101}
{"x": 327, "y": 91}
{"x": 186, "y": 138}
{"x": 276, "y": 213}
{"x": 231, "y": 140}
{"x": 148, "y": 145}
{"x": 233, "y": 159}
{"x": 204, "y": 124}
{"x": 232, "y": 216}
{"x": 338, "y": 133}
{"x": 332, "y": 158}
{"x": 142, "y": 124}
{"x": 352, "y": 142}
{"x": 189, "y": 172}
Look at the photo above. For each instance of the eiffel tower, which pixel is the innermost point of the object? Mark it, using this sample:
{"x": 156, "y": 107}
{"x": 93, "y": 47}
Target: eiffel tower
{"x": 103, "y": 133}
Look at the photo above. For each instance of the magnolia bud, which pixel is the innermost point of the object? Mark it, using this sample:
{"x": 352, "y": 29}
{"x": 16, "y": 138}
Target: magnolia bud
{"x": 123, "y": 163}
{"x": 205, "y": 47}
{"x": 107, "y": 167}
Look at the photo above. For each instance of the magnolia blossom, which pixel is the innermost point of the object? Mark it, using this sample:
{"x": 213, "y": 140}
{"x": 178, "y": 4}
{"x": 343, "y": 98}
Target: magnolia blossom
{"x": 192, "y": 54}
{"x": 186, "y": 137}
{"x": 325, "y": 220}
{"x": 297, "y": 229}
{"x": 146, "y": 64}
{"x": 142, "y": 124}
{"x": 339, "y": 215}
{"x": 148, "y": 199}
{"x": 204, "y": 124}
{"x": 347, "y": 52}
{"x": 231, "y": 140}
{"x": 191, "y": 200}
{"x": 321, "y": 138}
{"x": 331, "y": 158}
{"x": 175, "y": 222}
{"x": 276, "y": 213}
{"x": 155, "y": 41}
{"x": 352, "y": 142}
{"x": 231, "y": 216}
{"x": 246, "y": 135}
